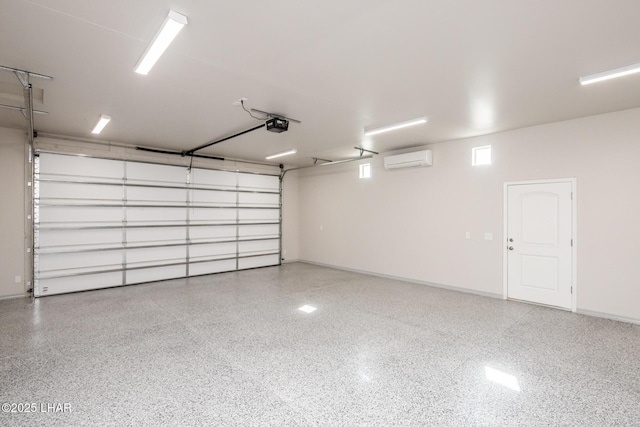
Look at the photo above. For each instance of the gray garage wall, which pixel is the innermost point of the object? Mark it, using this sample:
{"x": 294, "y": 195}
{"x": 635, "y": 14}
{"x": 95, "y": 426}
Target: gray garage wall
{"x": 411, "y": 223}
{"x": 12, "y": 212}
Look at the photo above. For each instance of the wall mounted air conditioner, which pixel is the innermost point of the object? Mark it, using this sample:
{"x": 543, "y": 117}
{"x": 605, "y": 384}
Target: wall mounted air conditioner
{"x": 409, "y": 160}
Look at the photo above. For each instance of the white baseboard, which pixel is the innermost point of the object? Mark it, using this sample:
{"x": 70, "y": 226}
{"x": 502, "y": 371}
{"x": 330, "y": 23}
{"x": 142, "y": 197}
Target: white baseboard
{"x": 408, "y": 280}
{"x": 468, "y": 291}
{"x": 14, "y": 296}
{"x": 609, "y": 316}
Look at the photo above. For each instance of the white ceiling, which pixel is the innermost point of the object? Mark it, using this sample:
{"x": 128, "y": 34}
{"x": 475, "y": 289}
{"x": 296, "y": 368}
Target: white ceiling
{"x": 471, "y": 67}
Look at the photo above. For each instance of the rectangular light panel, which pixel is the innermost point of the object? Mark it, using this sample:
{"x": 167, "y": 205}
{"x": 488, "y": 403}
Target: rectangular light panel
{"x": 104, "y": 120}
{"x": 284, "y": 153}
{"x": 396, "y": 126}
{"x": 611, "y": 74}
{"x": 171, "y": 26}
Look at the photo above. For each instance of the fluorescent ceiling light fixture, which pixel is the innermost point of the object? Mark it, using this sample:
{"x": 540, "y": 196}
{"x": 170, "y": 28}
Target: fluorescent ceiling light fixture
{"x": 499, "y": 377}
{"x": 307, "y": 309}
{"x": 104, "y": 120}
{"x": 611, "y": 74}
{"x": 171, "y": 26}
{"x": 401, "y": 125}
{"x": 284, "y": 153}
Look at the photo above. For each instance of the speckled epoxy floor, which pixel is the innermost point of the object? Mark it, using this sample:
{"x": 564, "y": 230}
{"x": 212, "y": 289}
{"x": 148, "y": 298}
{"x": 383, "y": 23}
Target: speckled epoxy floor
{"x": 233, "y": 349}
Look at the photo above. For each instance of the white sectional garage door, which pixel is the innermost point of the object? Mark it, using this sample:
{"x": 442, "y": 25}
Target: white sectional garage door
{"x": 101, "y": 223}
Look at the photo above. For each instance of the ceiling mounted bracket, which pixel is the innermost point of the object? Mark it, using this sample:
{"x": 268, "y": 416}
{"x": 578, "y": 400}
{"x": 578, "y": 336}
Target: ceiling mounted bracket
{"x": 22, "y": 109}
{"x": 24, "y": 72}
{"x": 275, "y": 116}
{"x": 363, "y": 150}
{"x": 315, "y": 160}
{"x": 209, "y": 144}
{"x": 23, "y": 76}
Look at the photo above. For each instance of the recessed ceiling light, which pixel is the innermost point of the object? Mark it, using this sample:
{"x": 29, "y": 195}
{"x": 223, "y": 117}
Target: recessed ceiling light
{"x": 171, "y": 26}
{"x": 400, "y": 125}
{"x": 104, "y": 120}
{"x": 307, "y": 309}
{"x": 611, "y": 74}
{"x": 284, "y": 153}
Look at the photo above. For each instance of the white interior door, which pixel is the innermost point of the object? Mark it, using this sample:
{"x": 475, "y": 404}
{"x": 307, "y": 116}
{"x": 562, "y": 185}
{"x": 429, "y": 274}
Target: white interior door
{"x": 539, "y": 243}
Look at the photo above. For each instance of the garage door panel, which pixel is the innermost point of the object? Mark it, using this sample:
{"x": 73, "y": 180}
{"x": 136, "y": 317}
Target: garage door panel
{"x": 221, "y": 232}
{"x": 149, "y": 173}
{"x": 255, "y": 262}
{"x": 80, "y": 214}
{"x": 80, "y": 191}
{"x": 258, "y": 215}
{"x": 199, "y": 215}
{"x": 214, "y": 179}
{"x": 144, "y": 275}
{"x": 79, "y": 283}
{"x": 166, "y": 253}
{"x": 154, "y": 214}
{"x": 198, "y": 269}
{"x": 87, "y": 261}
{"x": 80, "y": 167}
{"x": 212, "y": 250}
{"x": 259, "y": 199}
{"x": 136, "y": 195}
{"x": 259, "y": 246}
{"x": 70, "y": 238}
{"x": 267, "y": 230}
{"x": 140, "y": 236}
{"x": 101, "y": 223}
{"x": 204, "y": 197}
{"x": 247, "y": 181}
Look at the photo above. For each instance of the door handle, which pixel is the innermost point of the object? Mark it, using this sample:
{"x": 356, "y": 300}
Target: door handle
{"x": 510, "y": 248}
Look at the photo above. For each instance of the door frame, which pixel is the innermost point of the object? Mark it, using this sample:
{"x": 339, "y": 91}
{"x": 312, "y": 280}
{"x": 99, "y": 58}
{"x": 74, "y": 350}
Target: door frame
{"x": 574, "y": 229}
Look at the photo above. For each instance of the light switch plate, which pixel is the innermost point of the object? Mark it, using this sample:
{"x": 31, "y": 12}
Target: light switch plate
{"x": 488, "y": 236}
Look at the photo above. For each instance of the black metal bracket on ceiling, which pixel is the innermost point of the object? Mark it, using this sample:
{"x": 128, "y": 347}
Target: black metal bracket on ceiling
{"x": 267, "y": 118}
{"x": 209, "y": 144}
{"x": 177, "y": 153}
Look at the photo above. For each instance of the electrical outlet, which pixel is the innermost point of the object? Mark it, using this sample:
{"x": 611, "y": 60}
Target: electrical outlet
{"x": 18, "y": 279}
{"x": 239, "y": 101}
{"x": 488, "y": 236}
{"x": 467, "y": 235}
{"x": 321, "y": 228}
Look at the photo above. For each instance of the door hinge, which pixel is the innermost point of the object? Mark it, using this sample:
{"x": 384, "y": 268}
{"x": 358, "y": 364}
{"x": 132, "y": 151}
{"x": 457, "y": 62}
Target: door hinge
{"x": 572, "y": 290}
{"x": 571, "y": 242}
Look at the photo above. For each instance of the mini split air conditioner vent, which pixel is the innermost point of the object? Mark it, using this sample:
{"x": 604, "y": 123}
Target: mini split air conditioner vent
{"x": 409, "y": 160}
